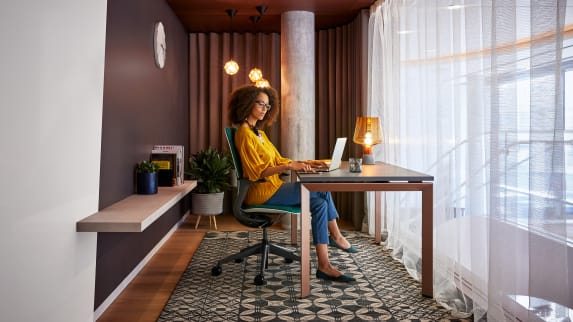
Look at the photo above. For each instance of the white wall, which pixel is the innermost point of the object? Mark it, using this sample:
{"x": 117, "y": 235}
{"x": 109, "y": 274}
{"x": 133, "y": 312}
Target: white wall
{"x": 51, "y": 91}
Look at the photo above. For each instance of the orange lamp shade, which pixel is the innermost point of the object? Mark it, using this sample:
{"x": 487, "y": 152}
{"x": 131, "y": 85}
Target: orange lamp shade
{"x": 367, "y": 133}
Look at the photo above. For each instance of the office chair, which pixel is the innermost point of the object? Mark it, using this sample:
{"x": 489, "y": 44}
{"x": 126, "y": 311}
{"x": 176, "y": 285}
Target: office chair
{"x": 258, "y": 216}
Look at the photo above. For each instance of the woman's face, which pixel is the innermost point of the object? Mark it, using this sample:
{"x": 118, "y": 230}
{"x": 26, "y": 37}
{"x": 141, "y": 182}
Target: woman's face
{"x": 260, "y": 106}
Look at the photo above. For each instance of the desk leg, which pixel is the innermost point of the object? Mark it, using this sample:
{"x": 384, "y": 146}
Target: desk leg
{"x": 377, "y": 216}
{"x": 304, "y": 242}
{"x": 427, "y": 240}
{"x": 293, "y": 229}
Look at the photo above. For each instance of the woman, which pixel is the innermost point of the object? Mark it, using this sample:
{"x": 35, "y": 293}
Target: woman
{"x": 252, "y": 108}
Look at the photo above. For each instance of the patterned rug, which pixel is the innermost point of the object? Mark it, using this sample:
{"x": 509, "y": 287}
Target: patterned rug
{"x": 383, "y": 291}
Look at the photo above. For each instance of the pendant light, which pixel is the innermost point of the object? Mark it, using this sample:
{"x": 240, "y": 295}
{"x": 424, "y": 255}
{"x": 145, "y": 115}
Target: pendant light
{"x": 231, "y": 66}
{"x": 256, "y": 75}
{"x": 262, "y": 83}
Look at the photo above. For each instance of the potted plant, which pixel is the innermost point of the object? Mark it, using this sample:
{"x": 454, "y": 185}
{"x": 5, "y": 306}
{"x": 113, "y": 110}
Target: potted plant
{"x": 146, "y": 177}
{"x": 212, "y": 170}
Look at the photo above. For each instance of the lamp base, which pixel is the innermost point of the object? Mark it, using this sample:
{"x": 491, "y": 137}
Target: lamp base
{"x": 368, "y": 159}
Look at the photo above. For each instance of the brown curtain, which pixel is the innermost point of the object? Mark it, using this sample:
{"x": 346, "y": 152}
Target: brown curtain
{"x": 341, "y": 97}
{"x": 340, "y": 89}
{"x": 210, "y": 86}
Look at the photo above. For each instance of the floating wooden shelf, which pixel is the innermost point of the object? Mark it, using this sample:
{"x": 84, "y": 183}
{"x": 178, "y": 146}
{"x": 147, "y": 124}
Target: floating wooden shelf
{"x": 136, "y": 212}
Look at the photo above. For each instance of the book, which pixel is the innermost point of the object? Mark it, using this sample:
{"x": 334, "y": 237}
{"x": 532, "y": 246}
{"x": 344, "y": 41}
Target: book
{"x": 174, "y": 154}
{"x": 179, "y": 164}
{"x": 166, "y": 173}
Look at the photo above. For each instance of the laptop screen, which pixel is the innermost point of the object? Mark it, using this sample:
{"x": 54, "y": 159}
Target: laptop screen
{"x": 337, "y": 154}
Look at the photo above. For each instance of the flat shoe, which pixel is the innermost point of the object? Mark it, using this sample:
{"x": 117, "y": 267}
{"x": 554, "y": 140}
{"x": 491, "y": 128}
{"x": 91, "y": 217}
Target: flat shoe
{"x": 350, "y": 249}
{"x": 341, "y": 278}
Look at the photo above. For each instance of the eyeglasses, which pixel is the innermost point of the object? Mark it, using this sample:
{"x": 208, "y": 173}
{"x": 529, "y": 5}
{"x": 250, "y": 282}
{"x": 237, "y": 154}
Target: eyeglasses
{"x": 263, "y": 104}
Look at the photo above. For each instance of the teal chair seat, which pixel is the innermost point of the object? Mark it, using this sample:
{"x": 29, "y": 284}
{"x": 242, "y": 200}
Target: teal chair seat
{"x": 272, "y": 209}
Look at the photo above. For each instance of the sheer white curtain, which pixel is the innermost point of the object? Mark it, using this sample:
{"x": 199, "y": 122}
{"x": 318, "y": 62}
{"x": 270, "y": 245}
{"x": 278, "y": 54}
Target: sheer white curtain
{"x": 479, "y": 94}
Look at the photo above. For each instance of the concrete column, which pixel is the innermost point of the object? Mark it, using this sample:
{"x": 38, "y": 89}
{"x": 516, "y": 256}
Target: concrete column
{"x": 297, "y": 85}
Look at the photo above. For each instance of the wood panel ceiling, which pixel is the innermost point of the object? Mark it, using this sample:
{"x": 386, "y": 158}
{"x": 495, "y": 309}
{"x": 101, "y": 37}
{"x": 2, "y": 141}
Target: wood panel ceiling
{"x": 211, "y": 16}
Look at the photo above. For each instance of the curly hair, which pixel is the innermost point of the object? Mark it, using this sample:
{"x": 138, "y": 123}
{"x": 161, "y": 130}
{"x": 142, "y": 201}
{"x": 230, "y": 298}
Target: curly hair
{"x": 243, "y": 99}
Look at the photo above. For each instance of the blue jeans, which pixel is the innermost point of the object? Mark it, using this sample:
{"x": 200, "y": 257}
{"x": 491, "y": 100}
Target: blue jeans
{"x": 322, "y": 208}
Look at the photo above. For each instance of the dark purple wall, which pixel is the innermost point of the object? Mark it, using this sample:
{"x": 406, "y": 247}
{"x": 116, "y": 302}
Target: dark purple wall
{"x": 142, "y": 106}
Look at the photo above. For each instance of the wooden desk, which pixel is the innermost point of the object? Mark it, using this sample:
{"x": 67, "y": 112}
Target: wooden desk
{"x": 376, "y": 177}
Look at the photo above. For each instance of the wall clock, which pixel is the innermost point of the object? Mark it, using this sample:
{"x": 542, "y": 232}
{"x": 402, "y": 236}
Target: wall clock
{"x": 159, "y": 44}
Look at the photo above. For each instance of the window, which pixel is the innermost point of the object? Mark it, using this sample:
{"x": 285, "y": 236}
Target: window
{"x": 517, "y": 190}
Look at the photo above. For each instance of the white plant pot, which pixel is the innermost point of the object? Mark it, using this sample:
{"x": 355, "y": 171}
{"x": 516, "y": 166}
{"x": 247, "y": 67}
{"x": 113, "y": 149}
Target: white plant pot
{"x": 207, "y": 204}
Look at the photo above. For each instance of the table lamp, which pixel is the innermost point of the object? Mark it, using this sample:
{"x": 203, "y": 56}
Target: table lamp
{"x": 368, "y": 133}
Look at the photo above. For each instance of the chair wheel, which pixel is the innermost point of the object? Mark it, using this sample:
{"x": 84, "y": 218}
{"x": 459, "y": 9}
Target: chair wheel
{"x": 260, "y": 280}
{"x": 238, "y": 260}
{"x": 216, "y": 271}
{"x": 288, "y": 260}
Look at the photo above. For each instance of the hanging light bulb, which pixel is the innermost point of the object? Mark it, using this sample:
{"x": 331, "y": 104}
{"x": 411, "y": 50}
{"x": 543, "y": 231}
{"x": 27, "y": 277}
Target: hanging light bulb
{"x": 255, "y": 74}
{"x": 262, "y": 83}
{"x": 231, "y": 67}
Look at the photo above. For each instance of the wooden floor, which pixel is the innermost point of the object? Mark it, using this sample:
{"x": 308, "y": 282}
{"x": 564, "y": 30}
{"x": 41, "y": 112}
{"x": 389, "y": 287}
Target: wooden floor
{"x": 147, "y": 294}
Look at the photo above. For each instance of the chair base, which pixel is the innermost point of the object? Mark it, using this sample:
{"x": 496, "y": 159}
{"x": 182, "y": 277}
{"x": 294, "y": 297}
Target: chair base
{"x": 263, "y": 248}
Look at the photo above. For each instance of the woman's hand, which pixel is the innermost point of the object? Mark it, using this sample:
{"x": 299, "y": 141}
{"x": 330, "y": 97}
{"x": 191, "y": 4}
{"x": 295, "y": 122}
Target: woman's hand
{"x": 305, "y": 166}
{"x": 297, "y": 166}
{"x": 317, "y": 164}
{"x": 301, "y": 166}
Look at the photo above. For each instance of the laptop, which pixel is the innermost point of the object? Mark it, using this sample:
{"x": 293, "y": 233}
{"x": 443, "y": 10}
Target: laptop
{"x": 336, "y": 159}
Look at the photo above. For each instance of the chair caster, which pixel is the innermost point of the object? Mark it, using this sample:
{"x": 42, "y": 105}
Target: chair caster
{"x": 238, "y": 260}
{"x": 260, "y": 280}
{"x": 288, "y": 260}
{"x": 216, "y": 271}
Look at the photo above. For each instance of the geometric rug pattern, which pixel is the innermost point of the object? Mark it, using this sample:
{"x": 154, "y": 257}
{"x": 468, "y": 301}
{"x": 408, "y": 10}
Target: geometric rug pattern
{"x": 383, "y": 290}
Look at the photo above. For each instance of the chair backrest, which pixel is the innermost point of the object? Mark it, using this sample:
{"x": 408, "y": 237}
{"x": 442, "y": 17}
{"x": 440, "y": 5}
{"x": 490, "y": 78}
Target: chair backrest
{"x": 230, "y": 135}
{"x": 247, "y": 219}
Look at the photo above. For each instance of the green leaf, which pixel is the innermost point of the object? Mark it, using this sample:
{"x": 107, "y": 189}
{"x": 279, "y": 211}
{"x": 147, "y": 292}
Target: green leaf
{"x": 211, "y": 169}
{"x": 146, "y": 167}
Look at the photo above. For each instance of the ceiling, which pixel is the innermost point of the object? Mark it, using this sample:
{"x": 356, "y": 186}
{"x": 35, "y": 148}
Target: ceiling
{"x": 211, "y": 16}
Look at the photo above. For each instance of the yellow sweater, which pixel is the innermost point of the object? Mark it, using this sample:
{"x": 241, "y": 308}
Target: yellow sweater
{"x": 257, "y": 154}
